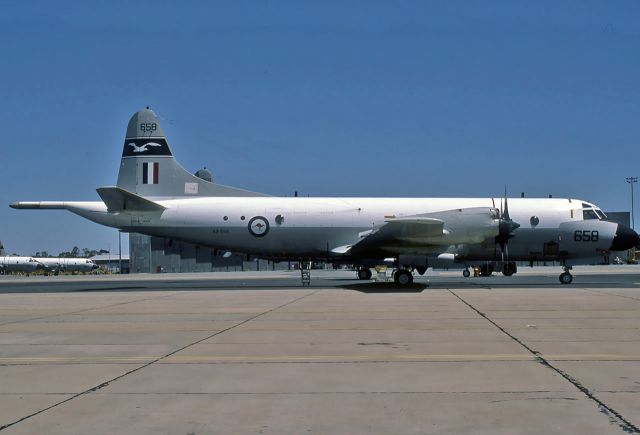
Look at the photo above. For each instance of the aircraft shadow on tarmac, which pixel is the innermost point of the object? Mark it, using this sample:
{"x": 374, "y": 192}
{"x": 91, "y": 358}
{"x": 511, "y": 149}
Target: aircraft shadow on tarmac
{"x": 384, "y": 287}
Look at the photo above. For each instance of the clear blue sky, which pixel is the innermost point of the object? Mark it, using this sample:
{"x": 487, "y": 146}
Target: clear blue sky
{"x": 330, "y": 98}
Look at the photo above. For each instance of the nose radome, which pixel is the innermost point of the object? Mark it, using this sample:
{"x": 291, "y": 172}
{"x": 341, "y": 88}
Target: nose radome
{"x": 625, "y": 238}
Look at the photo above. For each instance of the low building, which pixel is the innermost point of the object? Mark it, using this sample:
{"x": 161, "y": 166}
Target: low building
{"x": 158, "y": 255}
{"x": 111, "y": 262}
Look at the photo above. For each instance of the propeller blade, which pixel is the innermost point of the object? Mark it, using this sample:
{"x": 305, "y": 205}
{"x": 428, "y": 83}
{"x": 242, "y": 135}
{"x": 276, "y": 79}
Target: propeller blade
{"x": 506, "y": 209}
{"x": 506, "y": 227}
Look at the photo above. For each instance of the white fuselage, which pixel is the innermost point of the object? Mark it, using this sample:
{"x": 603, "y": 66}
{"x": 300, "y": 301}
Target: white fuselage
{"x": 314, "y": 227}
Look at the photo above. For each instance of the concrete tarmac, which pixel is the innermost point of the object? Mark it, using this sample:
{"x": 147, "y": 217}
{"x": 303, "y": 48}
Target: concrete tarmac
{"x": 257, "y": 353}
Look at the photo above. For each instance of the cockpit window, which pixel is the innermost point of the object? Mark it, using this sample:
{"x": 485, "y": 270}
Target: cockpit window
{"x": 601, "y": 214}
{"x": 589, "y": 214}
{"x": 585, "y": 205}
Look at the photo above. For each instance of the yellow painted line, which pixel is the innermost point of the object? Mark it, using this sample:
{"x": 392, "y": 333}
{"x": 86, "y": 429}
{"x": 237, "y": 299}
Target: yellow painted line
{"x": 593, "y": 357}
{"x": 313, "y": 358}
{"x": 342, "y": 358}
{"x": 46, "y": 359}
{"x": 274, "y": 358}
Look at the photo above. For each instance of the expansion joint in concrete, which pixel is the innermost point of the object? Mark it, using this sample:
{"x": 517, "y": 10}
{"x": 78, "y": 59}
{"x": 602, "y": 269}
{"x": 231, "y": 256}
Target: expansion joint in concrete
{"x": 107, "y": 383}
{"x": 614, "y": 415}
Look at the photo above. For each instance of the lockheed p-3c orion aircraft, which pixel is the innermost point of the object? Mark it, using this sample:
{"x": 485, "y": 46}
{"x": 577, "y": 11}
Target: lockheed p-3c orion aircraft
{"x": 156, "y": 196}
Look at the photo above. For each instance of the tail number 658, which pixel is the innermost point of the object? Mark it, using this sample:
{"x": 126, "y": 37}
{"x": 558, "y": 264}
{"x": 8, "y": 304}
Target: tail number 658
{"x": 585, "y": 236}
{"x": 148, "y": 126}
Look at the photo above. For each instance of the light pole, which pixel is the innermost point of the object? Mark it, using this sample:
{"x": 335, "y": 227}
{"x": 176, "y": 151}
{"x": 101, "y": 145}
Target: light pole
{"x": 119, "y": 252}
{"x": 631, "y": 181}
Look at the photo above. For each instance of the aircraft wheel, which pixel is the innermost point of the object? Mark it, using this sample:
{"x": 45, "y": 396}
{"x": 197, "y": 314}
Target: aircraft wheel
{"x": 509, "y": 269}
{"x": 403, "y": 277}
{"x": 486, "y": 269}
{"x": 566, "y": 278}
{"x": 364, "y": 274}
{"x": 466, "y": 273}
{"x": 421, "y": 270}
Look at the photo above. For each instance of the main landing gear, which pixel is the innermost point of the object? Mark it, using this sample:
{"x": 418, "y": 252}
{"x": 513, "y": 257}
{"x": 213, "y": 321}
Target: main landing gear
{"x": 486, "y": 269}
{"x": 403, "y": 277}
{"x": 566, "y": 277}
{"x": 364, "y": 273}
{"x": 509, "y": 268}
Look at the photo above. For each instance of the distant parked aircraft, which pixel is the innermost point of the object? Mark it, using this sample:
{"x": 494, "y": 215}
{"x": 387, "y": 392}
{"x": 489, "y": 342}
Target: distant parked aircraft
{"x": 14, "y": 263}
{"x": 57, "y": 265}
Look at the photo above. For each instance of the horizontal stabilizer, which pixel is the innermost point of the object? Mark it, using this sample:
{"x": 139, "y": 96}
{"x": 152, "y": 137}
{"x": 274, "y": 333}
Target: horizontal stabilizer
{"x": 118, "y": 199}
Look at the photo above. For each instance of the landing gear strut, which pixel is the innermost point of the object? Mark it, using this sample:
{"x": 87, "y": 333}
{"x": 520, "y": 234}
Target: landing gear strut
{"x": 403, "y": 277}
{"x": 364, "y": 273}
{"x": 566, "y": 277}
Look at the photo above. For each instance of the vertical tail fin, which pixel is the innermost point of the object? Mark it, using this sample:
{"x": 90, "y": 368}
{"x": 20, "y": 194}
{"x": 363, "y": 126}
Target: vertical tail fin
{"x": 2, "y": 254}
{"x": 149, "y": 169}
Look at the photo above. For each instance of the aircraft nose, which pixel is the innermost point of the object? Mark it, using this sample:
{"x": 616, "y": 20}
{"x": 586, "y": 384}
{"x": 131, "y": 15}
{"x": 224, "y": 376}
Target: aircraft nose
{"x": 625, "y": 238}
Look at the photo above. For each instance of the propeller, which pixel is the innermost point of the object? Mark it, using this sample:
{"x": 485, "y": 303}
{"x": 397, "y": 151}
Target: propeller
{"x": 506, "y": 228}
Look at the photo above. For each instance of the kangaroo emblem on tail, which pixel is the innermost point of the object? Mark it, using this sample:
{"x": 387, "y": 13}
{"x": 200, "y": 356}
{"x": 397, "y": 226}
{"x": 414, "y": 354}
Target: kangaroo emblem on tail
{"x": 143, "y": 148}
